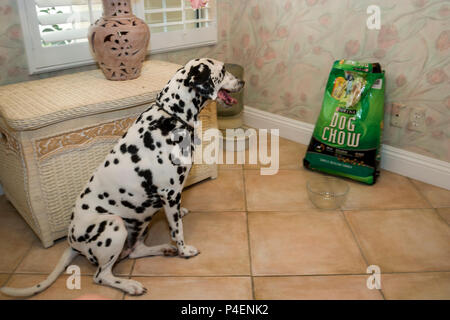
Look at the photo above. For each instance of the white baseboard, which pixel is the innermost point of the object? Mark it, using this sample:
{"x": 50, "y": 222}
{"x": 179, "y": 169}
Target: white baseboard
{"x": 409, "y": 164}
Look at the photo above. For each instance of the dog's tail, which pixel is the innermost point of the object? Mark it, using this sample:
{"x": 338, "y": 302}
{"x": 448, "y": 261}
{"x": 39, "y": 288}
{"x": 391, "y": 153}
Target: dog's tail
{"x": 66, "y": 258}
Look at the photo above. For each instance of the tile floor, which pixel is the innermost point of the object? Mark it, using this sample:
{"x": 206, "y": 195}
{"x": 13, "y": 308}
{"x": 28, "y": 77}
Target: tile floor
{"x": 261, "y": 238}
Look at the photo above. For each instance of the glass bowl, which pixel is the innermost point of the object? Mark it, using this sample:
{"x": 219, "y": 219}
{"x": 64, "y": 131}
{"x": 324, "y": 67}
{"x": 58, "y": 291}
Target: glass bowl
{"x": 327, "y": 192}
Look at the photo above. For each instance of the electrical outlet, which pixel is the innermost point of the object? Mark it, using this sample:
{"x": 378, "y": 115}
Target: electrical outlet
{"x": 417, "y": 119}
{"x": 399, "y": 115}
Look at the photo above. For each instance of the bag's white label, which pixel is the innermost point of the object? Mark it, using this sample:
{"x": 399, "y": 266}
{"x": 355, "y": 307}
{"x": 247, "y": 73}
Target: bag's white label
{"x": 378, "y": 84}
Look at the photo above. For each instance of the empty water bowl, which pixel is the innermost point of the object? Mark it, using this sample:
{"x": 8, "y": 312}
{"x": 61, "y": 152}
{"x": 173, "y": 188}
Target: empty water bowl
{"x": 327, "y": 192}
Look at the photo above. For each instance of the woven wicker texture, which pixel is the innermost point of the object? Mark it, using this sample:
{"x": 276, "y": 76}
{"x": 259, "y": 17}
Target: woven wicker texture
{"x": 34, "y": 104}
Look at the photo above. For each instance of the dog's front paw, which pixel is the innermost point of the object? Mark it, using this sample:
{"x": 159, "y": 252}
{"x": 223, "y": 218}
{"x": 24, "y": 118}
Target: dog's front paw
{"x": 170, "y": 250}
{"x": 132, "y": 287}
{"x": 188, "y": 252}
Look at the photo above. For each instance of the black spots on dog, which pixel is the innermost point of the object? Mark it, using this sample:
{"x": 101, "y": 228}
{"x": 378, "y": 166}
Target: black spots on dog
{"x": 175, "y": 217}
{"x": 99, "y": 244}
{"x": 87, "y": 190}
{"x": 174, "y": 201}
{"x": 135, "y": 158}
{"x": 116, "y": 228}
{"x": 90, "y": 252}
{"x": 71, "y": 216}
{"x": 130, "y": 194}
{"x": 108, "y": 242}
{"x": 80, "y": 239}
{"x": 85, "y": 206}
{"x": 181, "y": 179}
{"x": 139, "y": 118}
{"x": 123, "y": 148}
{"x": 172, "y": 181}
{"x": 149, "y": 218}
{"x": 100, "y": 209}
{"x": 90, "y": 228}
{"x": 106, "y": 194}
{"x": 167, "y": 99}
{"x": 124, "y": 135}
{"x": 180, "y": 170}
{"x": 112, "y": 202}
{"x": 106, "y": 164}
{"x": 148, "y": 141}
{"x": 92, "y": 178}
{"x": 117, "y": 281}
{"x": 189, "y": 115}
{"x": 160, "y": 161}
{"x": 158, "y": 144}
{"x": 210, "y": 61}
{"x": 146, "y": 174}
{"x": 116, "y": 161}
{"x": 139, "y": 210}
{"x": 141, "y": 129}
{"x": 101, "y": 197}
{"x": 127, "y": 204}
{"x": 132, "y": 149}
{"x": 121, "y": 190}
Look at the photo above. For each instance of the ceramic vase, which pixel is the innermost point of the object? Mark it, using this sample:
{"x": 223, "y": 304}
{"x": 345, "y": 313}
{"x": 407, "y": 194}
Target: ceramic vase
{"x": 119, "y": 41}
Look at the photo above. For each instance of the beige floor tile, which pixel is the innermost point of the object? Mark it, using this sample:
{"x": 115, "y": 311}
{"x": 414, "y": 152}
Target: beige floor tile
{"x": 226, "y": 193}
{"x": 349, "y": 287}
{"x": 444, "y": 213}
{"x": 290, "y": 155}
{"x": 438, "y": 197}
{"x": 306, "y": 242}
{"x": 403, "y": 240}
{"x": 59, "y": 290}
{"x": 391, "y": 191}
{"x": 416, "y": 286}
{"x": 284, "y": 191}
{"x": 41, "y": 260}
{"x": 221, "y": 238}
{"x": 16, "y": 237}
{"x": 232, "y": 160}
{"x": 190, "y": 288}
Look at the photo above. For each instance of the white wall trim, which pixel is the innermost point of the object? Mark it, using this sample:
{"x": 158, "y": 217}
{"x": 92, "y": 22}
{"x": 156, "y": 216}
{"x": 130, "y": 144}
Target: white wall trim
{"x": 409, "y": 164}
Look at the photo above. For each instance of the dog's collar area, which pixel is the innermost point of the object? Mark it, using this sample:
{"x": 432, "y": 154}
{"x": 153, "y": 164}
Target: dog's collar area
{"x": 161, "y": 108}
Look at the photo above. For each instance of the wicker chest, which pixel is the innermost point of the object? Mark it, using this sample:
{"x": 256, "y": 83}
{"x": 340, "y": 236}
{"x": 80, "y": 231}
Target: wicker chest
{"x": 55, "y": 132}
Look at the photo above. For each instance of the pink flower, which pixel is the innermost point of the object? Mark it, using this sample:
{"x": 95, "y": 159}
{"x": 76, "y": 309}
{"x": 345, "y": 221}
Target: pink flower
{"x": 15, "y": 32}
{"x": 387, "y": 37}
{"x": 444, "y": 11}
{"x": 400, "y": 80}
{"x": 197, "y": 4}
{"x": 254, "y": 80}
{"x": 280, "y": 68}
{"x": 255, "y": 13}
{"x": 325, "y": 19}
{"x": 259, "y": 62}
{"x": 270, "y": 54}
{"x": 264, "y": 34}
{"x": 288, "y": 6}
{"x": 443, "y": 41}
{"x": 352, "y": 47}
{"x": 282, "y": 32}
{"x": 245, "y": 40}
{"x": 436, "y": 76}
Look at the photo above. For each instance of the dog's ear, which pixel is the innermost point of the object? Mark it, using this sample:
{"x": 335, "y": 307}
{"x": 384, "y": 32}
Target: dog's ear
{"x": 199, "y": 79}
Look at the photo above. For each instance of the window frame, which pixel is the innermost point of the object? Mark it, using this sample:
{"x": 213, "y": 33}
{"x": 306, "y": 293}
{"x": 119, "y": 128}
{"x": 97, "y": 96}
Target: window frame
{"x": 45, "y": 59}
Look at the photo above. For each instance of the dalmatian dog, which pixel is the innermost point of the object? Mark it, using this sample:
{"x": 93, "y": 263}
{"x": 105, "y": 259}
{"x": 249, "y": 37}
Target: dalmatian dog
{"x": 140, "y": 176}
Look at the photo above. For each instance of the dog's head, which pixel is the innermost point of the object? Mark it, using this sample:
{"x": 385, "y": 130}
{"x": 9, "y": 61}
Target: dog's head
{"x": 209, "y": 79}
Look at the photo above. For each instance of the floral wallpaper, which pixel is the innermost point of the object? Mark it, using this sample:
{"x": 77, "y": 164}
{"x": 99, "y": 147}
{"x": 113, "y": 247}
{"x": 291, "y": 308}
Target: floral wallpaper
{"x": 288, "y": 46}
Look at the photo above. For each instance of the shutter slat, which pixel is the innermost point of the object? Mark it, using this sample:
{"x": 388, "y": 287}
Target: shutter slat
{"x": 55, "y": 3}
{"x": 73, "y": 34}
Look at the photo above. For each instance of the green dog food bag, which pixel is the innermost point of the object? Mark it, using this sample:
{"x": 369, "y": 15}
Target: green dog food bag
{"x": 347, "y": 137}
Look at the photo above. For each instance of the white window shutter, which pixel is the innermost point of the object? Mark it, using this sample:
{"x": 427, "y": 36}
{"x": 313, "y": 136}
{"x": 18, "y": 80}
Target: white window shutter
{"x": 55, "y": 31}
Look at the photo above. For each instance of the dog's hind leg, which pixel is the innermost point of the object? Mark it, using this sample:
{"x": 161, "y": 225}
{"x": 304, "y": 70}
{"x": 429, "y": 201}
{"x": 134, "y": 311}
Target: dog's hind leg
{"x": 105, "y": 249}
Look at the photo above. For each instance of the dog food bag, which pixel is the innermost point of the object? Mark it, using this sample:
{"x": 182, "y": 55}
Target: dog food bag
{"x": 347, "y": 137}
